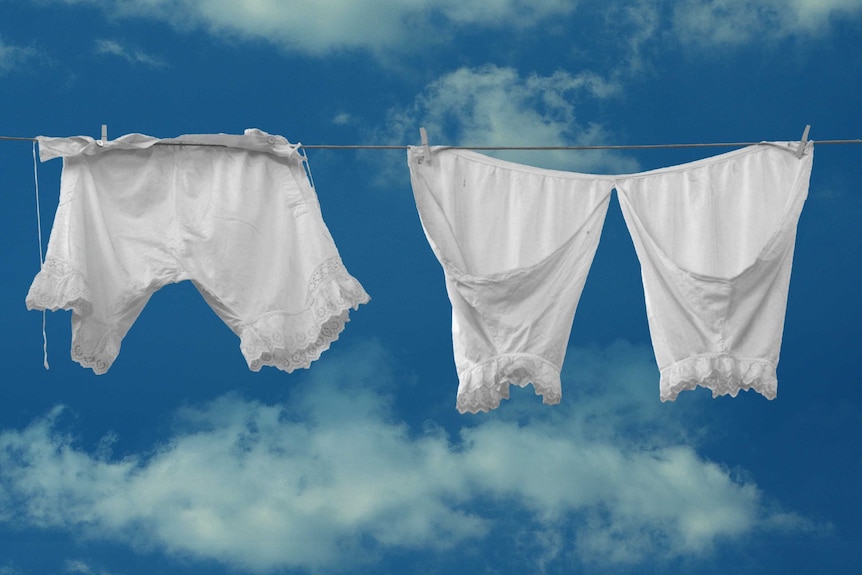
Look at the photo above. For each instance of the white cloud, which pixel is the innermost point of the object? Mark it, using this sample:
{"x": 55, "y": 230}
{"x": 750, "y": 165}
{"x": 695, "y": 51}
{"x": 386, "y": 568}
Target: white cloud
{"x": 731, "y": 22}
{"x": 493, "y": 106}
{"x": 332, "y": 478}
{"x": 251, "y": 485}
{"x": 342, "y": 119}
{"x": 519, "y": 13}
{"x": 134, "y": 56}
{"x": 12, "y": 57}
{"x": 634, "y": 27}
{"x": 82, "y": 568}
{"x": 387, "y": 27}
{"x": 74, "y": 566}
{"x": 319, "y": 26}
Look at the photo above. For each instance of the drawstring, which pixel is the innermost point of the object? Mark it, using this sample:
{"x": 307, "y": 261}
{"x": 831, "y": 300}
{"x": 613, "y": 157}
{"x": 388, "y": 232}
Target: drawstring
{"x": 41, "y": 255}
{"x": 307, "y": 166}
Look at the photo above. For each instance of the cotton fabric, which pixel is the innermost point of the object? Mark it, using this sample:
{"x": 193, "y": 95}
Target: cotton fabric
{"x": 234, "y": 214}
{"x": 516, "y": 244}
{"x": 715, "y": 240}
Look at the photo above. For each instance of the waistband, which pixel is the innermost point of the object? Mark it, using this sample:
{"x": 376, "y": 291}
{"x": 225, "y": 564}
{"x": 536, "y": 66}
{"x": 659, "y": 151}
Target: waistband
{"x": 252, "y": 139}
{"x": 415, "y": 153}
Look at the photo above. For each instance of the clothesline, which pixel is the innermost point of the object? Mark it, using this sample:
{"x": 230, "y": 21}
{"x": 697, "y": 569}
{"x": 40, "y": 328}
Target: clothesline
{"x": 522, "y": 148}
{"x": 83, "y": 251}
{"x": 585, "y": 147}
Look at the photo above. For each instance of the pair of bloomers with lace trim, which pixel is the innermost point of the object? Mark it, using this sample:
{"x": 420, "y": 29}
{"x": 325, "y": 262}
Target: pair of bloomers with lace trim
{"x": 714, "y": 238}
{"x": 235, "y": 214}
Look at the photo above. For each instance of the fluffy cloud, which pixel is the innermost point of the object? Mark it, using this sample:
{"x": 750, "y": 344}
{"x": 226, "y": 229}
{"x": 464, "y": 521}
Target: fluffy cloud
{"x": 333, "y": 478}
{"x": 493, "y": 106}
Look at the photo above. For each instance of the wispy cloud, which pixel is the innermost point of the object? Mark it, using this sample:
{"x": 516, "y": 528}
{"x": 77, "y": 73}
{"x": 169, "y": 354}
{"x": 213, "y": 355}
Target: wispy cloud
{"x": 734, "y": 22}
{"x": 342, "y": 119}
{"x": 135, "y": 56}
{"x": 12, "y": 57}
{"x": 332, "y": 478}
{"x": 494, "y": 106}
{"x": 321, "y": 26}
{"x": 82, "y": 568}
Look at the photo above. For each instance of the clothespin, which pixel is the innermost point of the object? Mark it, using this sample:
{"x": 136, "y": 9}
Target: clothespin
{"x": 425, "y": 148}
{"x": 104, "y": 135}
{"x": 800, "y": 151}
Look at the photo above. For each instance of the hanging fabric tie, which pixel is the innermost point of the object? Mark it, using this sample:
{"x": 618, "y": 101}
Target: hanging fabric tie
{"x": 41, "y": 253}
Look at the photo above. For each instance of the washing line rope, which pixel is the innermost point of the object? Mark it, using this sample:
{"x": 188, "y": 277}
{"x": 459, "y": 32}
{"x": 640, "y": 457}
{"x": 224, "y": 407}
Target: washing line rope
{"x": 517, "y": 148}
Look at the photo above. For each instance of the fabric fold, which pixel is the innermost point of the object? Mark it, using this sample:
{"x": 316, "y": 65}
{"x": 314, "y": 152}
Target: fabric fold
{"x": 235, "y": 214}
{"x": 714, "y": 238}
{"x": 516, "y": 244}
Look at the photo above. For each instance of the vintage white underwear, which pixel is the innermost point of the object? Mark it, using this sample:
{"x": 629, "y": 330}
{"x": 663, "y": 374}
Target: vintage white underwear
{"x": 715, "y": 239}
{"x": 236, "y": 215}
{"x": 516, "y": 244}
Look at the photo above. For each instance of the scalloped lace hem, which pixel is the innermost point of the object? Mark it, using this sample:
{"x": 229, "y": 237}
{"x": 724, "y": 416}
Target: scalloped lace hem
{"x": 723, "y": 374}
{"x": 98, "y": 354}
{"x": 59, "y": 285}
{"x": 290, "y": 341}
{"x": 484, "y": 386}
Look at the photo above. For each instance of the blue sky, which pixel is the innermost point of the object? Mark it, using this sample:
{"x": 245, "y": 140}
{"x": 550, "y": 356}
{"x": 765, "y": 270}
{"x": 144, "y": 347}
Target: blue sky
{"x": 181, "y": 460}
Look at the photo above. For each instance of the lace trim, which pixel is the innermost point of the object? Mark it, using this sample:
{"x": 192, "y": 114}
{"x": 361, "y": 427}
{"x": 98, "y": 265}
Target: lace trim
{"x": 292, "y": 341}
{"x": 721, "y": 373}
{"x": 59, "y": 285}
{"x": 96, "y": 353}
{"x": 485, "y": 385}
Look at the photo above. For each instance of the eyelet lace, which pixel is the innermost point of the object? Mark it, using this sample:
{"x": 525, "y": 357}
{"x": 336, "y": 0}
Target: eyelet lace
{"x": 96, "y": 353}
{"x": 59, "y": 286}
{"x": 484, "y": 386}
{"x": 292, "y": 341}
{"x": 721, "y": 373}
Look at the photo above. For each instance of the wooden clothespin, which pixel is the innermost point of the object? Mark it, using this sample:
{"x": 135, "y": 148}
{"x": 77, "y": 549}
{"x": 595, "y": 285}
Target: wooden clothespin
{"x": 104, "y": 138}
{"x": 800, "y": 151}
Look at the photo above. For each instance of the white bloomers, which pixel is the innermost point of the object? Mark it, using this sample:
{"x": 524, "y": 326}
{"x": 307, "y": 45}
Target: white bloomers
{"x": 715, "y": 241}
{"x": 236, "y": 215}
{"x": 515, "y": 243}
